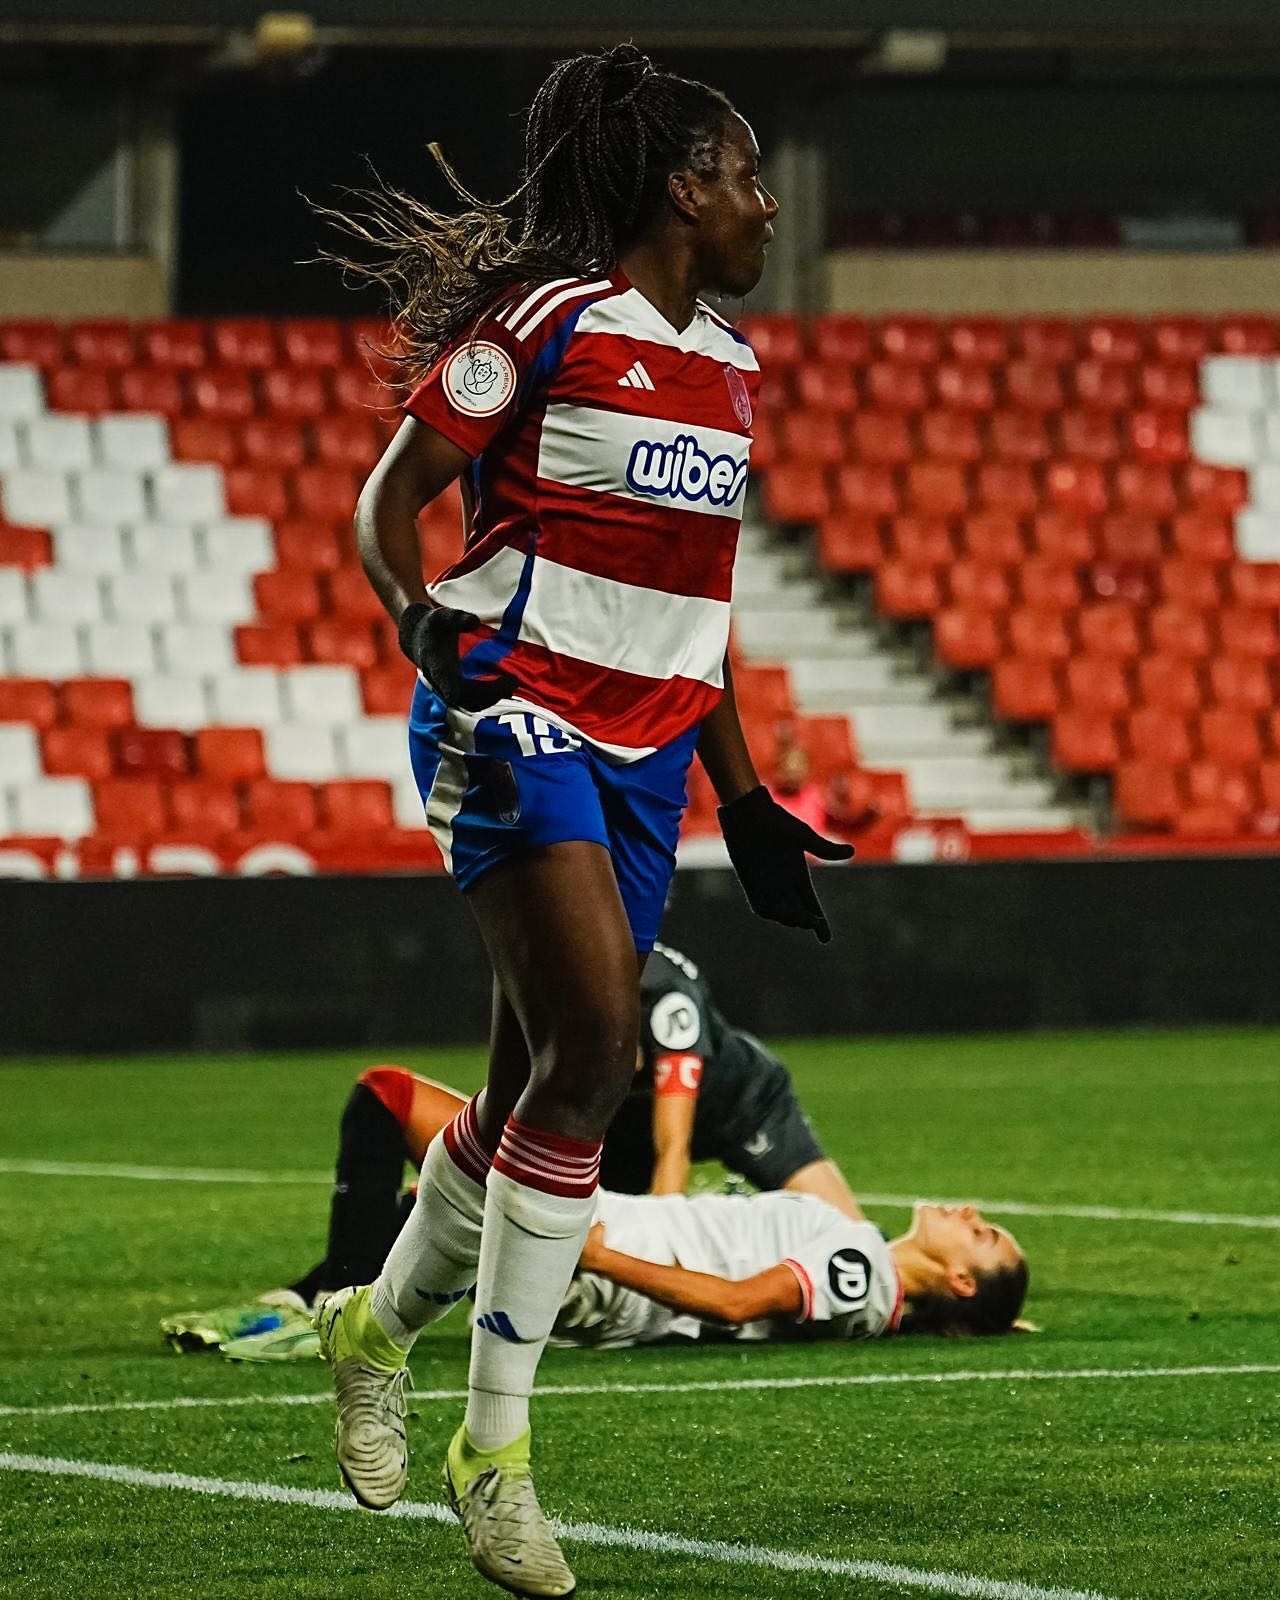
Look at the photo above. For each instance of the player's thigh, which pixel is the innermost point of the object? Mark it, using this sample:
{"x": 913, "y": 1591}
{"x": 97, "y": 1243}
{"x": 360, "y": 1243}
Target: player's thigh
{"x": 431, "y": 1106}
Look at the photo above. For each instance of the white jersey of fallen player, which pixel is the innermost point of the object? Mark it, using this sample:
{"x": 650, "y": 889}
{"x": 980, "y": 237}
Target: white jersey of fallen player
{"x": 844, "y": 1268}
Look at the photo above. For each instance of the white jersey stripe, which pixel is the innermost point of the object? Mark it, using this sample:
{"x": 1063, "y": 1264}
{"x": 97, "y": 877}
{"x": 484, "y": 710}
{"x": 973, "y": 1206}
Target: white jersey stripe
{"x": 577, "y": 292}
{"x": 522, "y": 310}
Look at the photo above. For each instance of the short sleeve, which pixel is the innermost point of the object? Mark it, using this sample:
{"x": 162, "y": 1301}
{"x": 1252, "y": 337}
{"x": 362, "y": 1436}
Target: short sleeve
{"x": 674, "y": 1023}
{"x": 472, "y": 390}
{"x": 847, "y": 1274}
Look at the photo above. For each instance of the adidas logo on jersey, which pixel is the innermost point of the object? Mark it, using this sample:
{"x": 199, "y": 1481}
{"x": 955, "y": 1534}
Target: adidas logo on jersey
{"x": 635, "y": 378}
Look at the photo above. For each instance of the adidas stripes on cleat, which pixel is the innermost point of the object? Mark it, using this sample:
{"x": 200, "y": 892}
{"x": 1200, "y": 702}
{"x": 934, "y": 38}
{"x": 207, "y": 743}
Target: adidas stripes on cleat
{"x": 369, "y": 1434}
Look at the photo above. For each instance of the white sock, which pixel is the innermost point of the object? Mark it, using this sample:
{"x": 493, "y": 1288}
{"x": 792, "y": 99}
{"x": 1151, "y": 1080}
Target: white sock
{"x": 539, "y": 1207}
{"x": 433, "y": 1262}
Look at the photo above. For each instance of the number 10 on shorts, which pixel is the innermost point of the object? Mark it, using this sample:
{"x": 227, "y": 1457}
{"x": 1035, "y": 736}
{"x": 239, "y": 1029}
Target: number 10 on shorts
{"x": 536, "y": 736}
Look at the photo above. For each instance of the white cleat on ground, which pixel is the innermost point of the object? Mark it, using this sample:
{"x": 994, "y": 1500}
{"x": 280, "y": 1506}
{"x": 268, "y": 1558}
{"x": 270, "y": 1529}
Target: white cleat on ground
{"x": 510, "y": 1540}
{"x": 369, "y": 1434}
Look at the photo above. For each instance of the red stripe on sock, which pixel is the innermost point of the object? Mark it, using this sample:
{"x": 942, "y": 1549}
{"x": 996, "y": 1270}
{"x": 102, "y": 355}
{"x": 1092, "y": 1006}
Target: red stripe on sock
{"x": 466, "y": 1146}
{"x": 550, "y": 1162}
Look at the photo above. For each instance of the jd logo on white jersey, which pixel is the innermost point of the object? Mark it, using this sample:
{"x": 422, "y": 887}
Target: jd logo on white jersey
{"x": 684, "y": 471}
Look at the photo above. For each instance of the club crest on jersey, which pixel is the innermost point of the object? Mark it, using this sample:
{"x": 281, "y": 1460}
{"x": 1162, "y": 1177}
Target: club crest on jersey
{"x": 738, "y": 394}
{"x": 479, "y": 379}
{"x": 684, "y": 471}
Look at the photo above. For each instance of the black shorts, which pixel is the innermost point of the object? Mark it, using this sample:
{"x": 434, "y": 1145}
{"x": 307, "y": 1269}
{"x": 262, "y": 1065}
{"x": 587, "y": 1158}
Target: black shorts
{"x": 771, "y": 1137}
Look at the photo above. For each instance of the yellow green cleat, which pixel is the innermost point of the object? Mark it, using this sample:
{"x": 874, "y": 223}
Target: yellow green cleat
{"x": 369, "y": 1376}
{"x": 510, "y": 1540}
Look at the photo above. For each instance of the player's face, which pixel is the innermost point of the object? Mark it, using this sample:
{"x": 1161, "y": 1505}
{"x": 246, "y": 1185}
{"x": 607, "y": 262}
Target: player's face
{"x": 961, "y": 1240}
{"x": 737, "y": 221}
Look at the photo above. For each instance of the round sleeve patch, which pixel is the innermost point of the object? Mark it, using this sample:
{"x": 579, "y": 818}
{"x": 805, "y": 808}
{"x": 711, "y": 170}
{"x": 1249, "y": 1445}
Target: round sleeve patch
{"x": 479, "y": 379}
{"x": 675, "y": 1021}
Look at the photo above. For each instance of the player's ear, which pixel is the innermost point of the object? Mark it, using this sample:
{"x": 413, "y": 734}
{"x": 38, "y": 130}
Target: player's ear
{"x": 687, "y": 195}
{"x": 962, "y": 1284}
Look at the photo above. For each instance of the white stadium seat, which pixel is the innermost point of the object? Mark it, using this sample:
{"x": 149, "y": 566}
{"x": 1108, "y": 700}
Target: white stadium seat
{"x": 185, "y": 493}
{"x": 141, "y": 597}
{"x": 170, "y": 702}
{"x": 88, "y": 547}
{"x": 1271, "y": 436}
{"x": 19, "y": 753}
{"x": 61, "y": 807}
{"x": 247, "y": 697}
{"x": 119, "y": 649}
{"x": 377, "y": 747}
{"x": 21, "y": 392}
{"x": 1264, "y": 487}
{"x": 162, "y": 547}
{"x": 10, "y": 455}
{"x": 58, "y": 443}
{"x": 1226, "y": 438}
{"x": 406, "y": 804}
{"x": 110, "y": 494}
{"x": 13, "y": 595}
{"x": 238, "y": 544}
{"x": 321, "y": 694}
{"x": 217, "y": 597}
{"x": 35, "y": 499}
{"x": 203, "y": 648}
{"x": 295, "y": 750}
{"x": 1258, "y": 535}
{"x": 135, "y": 441}
{"x": 58, "y": 596}
{"x": 1237, "y": 383}
{"x": 45, "y": 650}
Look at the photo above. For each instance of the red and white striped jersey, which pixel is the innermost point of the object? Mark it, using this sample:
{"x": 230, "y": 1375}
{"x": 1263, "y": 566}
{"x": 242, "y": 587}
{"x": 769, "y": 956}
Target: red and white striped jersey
{"x": 609, "y": 472}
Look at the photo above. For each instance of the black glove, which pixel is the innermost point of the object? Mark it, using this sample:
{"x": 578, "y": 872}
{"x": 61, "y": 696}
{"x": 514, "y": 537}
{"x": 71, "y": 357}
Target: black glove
{"x": 429, "y": 637}
{"x": 767, "y": 846}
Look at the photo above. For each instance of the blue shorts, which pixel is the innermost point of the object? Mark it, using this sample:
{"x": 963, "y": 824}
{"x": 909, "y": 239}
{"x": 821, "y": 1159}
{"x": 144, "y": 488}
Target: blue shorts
{"x": 509, "y": 783}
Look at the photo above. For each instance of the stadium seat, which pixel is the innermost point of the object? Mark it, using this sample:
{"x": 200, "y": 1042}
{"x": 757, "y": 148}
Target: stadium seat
{"x": 1145, "y": 488}
{"x": 170, "y": 701}
{"x": 978, "y": 339}
{"x": 154, "y": 389}
{"x": 248, "y": 696}
{"x": 58, "y": 443}
{"x": 273, "y": 644}
{"x": 217, "y": 597}
{"x": 1255, "y": 584}
{"x": 356, "y": 806}
{"x": 1024, "y": 690}
{"x": 288, "y": 595}
{"x": 1088, "y": 435}
{"x": 812, "y": 438}
{"x": 840, "y": 339}
{"x": 1179, "y": 632}
{"x": 1018, "y": 436}
{"x": 200, "y": 804}
{"x": 1039, "y": 635}
{"x": 1221, "y": 785}
{"x": 1203, "y": 536}
{"x": 295, "y": 394}
{"x": 1033, "y": 386}
{"x": 243, "y": 342}
{"x": 1160, "y": 736}
{"x": 882, "y": 438}
{"x": 203, "y": 649}
{"x": 1100, "y": 386}
{"x": 1109, "y": 629}
{"x": 1146, "y": 794}
{"x": 303, "y": 751}
{"x": 355, "y": 390}
{"x": 186, "y": 492}
{"x": 36, "y": 342}
{"x": 347, "y": 441}
{"x": 977, "y": 585}
{"x": 1171, "y": 683}
{"x": 169, "y": 342}
{"x": 1049, "y": 585}
{"x": 905, "y": 592}
{"x": 229, "y": 755}
{"x": 1244, "y": 631}
{"x": 256, "y": 492}
{"x": 775, "y": 337}
{"x": 1269, "y": 785}
{"x": 798, "y": 494}
{"x": 912, "y": 340}
{"x": 992, "y": 536}
{"x": 131, "y": 807}
{"x": 969, "y": 641}
{"x": 826, "y": 386}
{"x": 312, "y": 342}
{"x": 28, "y": 700}
{"x": 950, "y": 436}
{"x": 922, "y": 541}
{"x": 893, "y": 386}
{"x": 1084, "y": 741}
{"x": 1241, "y": 683}
{"x": 352, "y": 595}
{"x": 965, "y": 388}
{"x": 1193, "y": 584}
{"x": 1158, "y": 437}
{"x": 1230, "y": 736}
{"x": 849, "y": 543}
{"x": 340, "y": 641}
{"x": 287, "y": 808}
{"x": 88, "y": 391}
{"x": 322, "y": 694}
{"x": 1125, "y": 536}
{"x": 385, "y": 690}
{"x": 1180, "y": 339}
{"x": 76, "y": 752}
{"x": 272, "y": 443}
{"x": 1170, "y": 385}
{"x": 1098, "y": 684}
{"x": 375, "y": 748}
{"x": 1007, "y": 486}
{"x": 1114, "y": 339}
{"x": 1076, "y": 487}
{"x": 61, "y": 808}
{"x": 325, "y": 493}
{"x": 1047, "y": 339}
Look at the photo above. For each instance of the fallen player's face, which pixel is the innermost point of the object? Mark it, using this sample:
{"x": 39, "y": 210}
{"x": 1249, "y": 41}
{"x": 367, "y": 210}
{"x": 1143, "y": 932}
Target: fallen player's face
{"x": 961, "y": 1238}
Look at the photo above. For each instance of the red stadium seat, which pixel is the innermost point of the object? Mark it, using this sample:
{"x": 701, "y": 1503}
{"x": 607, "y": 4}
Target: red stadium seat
{"x": 351, "y": 595}
{"x": 288, "y": 595}
{"x": 346, "y": 441}
{"x": 229, "y": 755}
{"x": 27, "y": 548}
{"x": 210, "y": 807}
{"x": 1178, "y": 632}
{"x": 1109, "y": 629}
{"x": 937, "y": 488}
{"x": 225, "y": 394}
{"x": 963, "y": 387}
{"x": 864, "y": 490}
{"x": 1246, "y": 336}
{"x": 256, "y": 492}
{"x": 34, "y": 340}
{"x": 881, "y": 437}
{"x": 894, "y": 386}
{"x": 950, "y": 436}
{"x": 272, "y": 442}
{"x": 1203, "y": 536}
{"x": 356, "y": 389}
{"x": 1209, "y": 489}
{"x": 813, "y": 438}
{"x": 1241, "y": 683}
{"x": 151, "y": 753}
{"x": 386, "y": 689}
{"x": 102, "y": 342}
{"x": 848, "y": 543}
{"x": 295, "y": 394}
{"x": 1114, "y": 339}
{"x": 905, "y": 592}
{"x": 98, "y": 702}
{"x": 1186, "y": 339}
{"x": 1084, "y": 741}
{"x": 910, "y": 340}
{"x": 1244, "y": 632}
{"x": 826, "y": 386}
{"x": 168, "y": 342}
{"x": 1155, "y": 734}
{"x": 1088, "y": 435}
{"x": 1062, "y": 536}
{"x": 88, "y": 391}
{"x": 312, "y": 342}
{"x": 311, "y": 546}
{"x": 152, "y": 389}
{"x": 1170, "y": 682}
{"x": 1018, "y": 436}
{"x": 1076, "y": 486}
{"x": 1047, "y": 339}
{"x": 828, "y": 741}
{"x": 1146, "y": 794}
{"x": 775, "y": 337}
{"x": 356, "y": 806}
{"x": 1145, "y": 488}
{"x": 1220, "y": 785}
{"x": 1039, "y": 635}
{"x": 244, "y": 342}
{"x": 1269, "y": 784}
{"x": 922, "y": 541}
{"x": 30, "y": 700}
{"x": 341, "y": 641}
{"x": 287, "y": 809}
{"x": 1050, "y": 585}
{"x": 1109, "y": 579}
{"x": 1124, "y": 537}
{"x": 75, "y": 751}
{"x": 1007, "y": 486}
{"x": 1099, "y": 386}
{"x": 838, "y": 338}
{"x": 764, "y": 689}
{"x": 132, "y": 807}
{"x": 969, "y": 641}
{"x": 1098, "y": 684}
{"x": 268, "y": 645}
{"x": 1208, "y": 821}
{"x": 441, "y": 546}
{"x": 1230, "y": 736}
{"x": 1192, "y": 584}
{"x": 1255, "y": 583}
{"x": 325, "y": 493}
{"x": 1024, "y": 690}
{"x": 766, "y": 443}
{"x": 202, "y": 439}
{"x": 1170, "y": 386}
{"x": 1033, "y": 386}
{"x": 978, "y": 339}
{"x": 975, "y": 584}
{"x": 369, "y": 340}
{"x": 795, "y": 493}
{"x": 992, "y": 536}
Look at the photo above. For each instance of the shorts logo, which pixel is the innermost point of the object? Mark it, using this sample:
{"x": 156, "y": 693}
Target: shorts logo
{"x": 504, "y": 792}
{"x": 684, "y": 471}
{"x": 479, "y": 379}
{"x": 849, "y": 1276}
{"x": 675, "y": 1022}
{"x": 738, "y": 394}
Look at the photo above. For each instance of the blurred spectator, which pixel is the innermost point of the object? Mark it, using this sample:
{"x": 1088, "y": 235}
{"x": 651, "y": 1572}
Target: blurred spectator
{"x": 793, "y": 788}
{"x": 850, "y": 803}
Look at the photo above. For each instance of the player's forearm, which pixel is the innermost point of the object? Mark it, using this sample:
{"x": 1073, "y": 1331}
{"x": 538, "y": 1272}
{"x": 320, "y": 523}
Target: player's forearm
{"x": 695, "y": 1294}
{"x": 722, "y": 747}
{"x": 670, "y": 1172}
{"x": 386, "y": 530}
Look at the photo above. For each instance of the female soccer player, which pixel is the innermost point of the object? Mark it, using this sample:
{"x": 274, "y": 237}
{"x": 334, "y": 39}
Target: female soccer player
{"x": 570, "y": 663}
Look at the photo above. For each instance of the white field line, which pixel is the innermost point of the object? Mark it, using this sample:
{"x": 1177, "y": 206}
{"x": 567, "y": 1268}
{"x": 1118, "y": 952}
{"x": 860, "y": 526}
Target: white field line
{"x": 1013, "y": 1208}
{"x": 591, "y": 1533}
{"x": 849, "y": 1380}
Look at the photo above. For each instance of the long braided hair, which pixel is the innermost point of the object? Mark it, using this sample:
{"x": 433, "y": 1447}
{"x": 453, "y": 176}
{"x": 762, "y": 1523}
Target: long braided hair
{"x": 603, "y": 134}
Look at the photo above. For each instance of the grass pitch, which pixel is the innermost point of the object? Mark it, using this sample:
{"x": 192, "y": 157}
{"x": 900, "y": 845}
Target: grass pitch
{"x": 1135, "y": 1488}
